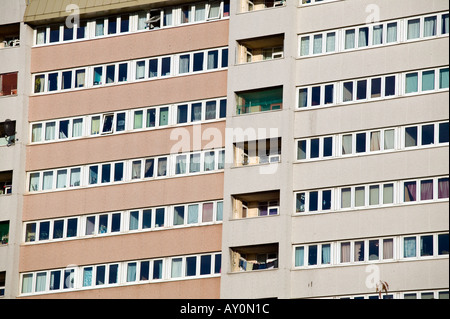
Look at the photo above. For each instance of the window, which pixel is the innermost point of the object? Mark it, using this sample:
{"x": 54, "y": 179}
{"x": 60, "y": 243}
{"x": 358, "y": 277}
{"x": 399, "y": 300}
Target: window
{"x": 8, "y": 84}
{"x": 259, "y": 100}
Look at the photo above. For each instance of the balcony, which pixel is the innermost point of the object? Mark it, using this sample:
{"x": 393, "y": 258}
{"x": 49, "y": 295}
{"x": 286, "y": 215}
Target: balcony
{"x": 247, "y": 5}
{"x": 6, "y": 182}
{"x": 256, "y": 204}
{"x": 9, "y": 35}
{"x": 261, "y": 100}
{"x": 257, "y": 152}
{"x": 8, "y": 84}
{"x": 257, "y": 257}
{"x": 260, "y": 49}
{"x": 7, "y": 133}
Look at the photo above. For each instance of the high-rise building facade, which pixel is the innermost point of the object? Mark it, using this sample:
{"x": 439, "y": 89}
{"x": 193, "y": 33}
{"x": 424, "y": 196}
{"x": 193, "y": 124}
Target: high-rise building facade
{"x": 224, "y": 149}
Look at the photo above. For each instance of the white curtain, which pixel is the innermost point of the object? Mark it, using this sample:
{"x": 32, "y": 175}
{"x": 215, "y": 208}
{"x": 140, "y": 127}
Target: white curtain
{"x": 142, "y": 18}
{"x": 176, "y": 267}
{"x": 77, "y": 128}
{"x": 388, "y": 194}
{"x": 210, "y": 110}
{"x": 34, "y": 182}
{"x": 391, "y": 32}
{"x": 200, "y": 12}
{"x": 75, "y": 174}
{"x": 213, "y": 59}
{"x": 138, "y": 118}
{"x": 378, "y": 35}
{"x": 363, "y": 39}
{"x": 409, "y": 248}
{"x": 196, "y": 112}
{"x": 95, "y": 125}
{"x": 193, "y": 214}
{"x": 317, "y": 45}
{"x": 40, "y": 37}
{"x": 429, "y": 26}
{"x": 136, "y": 170}
{"x": 61, "y": 179}
{"x": 131, "y": 272}
{"x": 36, "y": 133}
{"x": 209, "y": 161}
{"x": 219, "y": 213}
{"x": 194, "y": 163}
{"x": 346, "y": 197}
{"x": 389, "y": 138}
{"x": 374, "y": 195}
{"x": 345, "y": 252}
{"x": 50, "y": 131}
{"x": 134, "y": 220}
{"x": 349, "y": 39}
{"x": 162, "y": 166}
{"x": 388, "y": 248}
{"x": 87, "y": 277}
{"x": 413, "y": 29}
{"x": 99, "y": 24}
{"x": 331, "y": 42}
{"x": 47, "y": 182}
{"x": 326, "y": 254}
{"x": 27, "y": 283}
{"x": 184, "y": 63}
{"x": 180, "y": 164}
{"x": 304, "y": 46}
{"x": 41, "y": 279}
{"x": 359, "y": 196}
{"x": 299, "y": 256}
{"x": 346, "y": 144}
{"x": 140, "y": 70}
{"x": 375, "y": 141}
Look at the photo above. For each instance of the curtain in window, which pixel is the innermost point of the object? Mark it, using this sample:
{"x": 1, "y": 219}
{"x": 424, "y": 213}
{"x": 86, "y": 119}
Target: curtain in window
{"x": 346, "y": 198}
{"x": 392, "y": 32}
{"x": 445, "y": 24}
{"x": 134, "y": 220}
{"x": 27, "y": 283}
{"x": 426, "y": 189}
{"x": 196, "y": 112}
{"x": 359, "y": 251}
{"x": 359, "y": 196}
{"x": 200, "y": 12}
{"x": 347, "y": 91}
{"x": 317, "y": 44}
{"x": 98, "y": 75}
{"x": 346, "y": 144}
{"x": 303, "y": 98}
{"x": 443, "y": 79}
{"x": 142, "y": 18}
{"x": 47, "y": 180}
{"x": 131, "y": 272}
{"x": 80, "y": 78}
{"x": 388, "y": 248}
{"x": 429, "y": 28}
{"x": 36, "y": 133}
{"x": 374, "y": 195}
{"x": 61, "y": 179}
{"x": 304, "y": 46}
{"x": 163, "y": 116}
{"x": 410, "y": 191}
{"x": 428, "y": 80}
{"x": 412, "y": 82}
{"x": 75, "y": 174}
{"x": 345, "y": 252}
{"x": 193, "y": 214}
{"x": 363, "y": 37}
{"x": 162, "y": 166}
{"x": 331, "y": 42}
{"x": 87, "y": 277}
{"x": 377, "y": 35}
{"x": 213, "y": 59}
{"x": 176, "y": 267}
{"x": 209, "y": 161}
{"x": 99, "y": 25}
{"x": 413, "y": 29}
{"x": 326, "y": 254}
{"x": 409, "y": 248}
{"x": 40, "y": 281}
{"x": 140, "y": 70}
{"x": 388, "y": 139}
{"x": 180, "y": 164}
{"x": 77, "y": 128}
{"x": 148, "y": 169}
{"x": 93, "y": 174}
{"x": 299, "y": 256}
{"x": 40, "y": 37}
{"x": 214, "y": 10}
{"x": 194, "y": 163}
{"x": 50, "y": 129}
{"x": 388, "y": 194}
{"x": 184, "y": 63}
{"x": 374, "y": 141}
{"x": 207, "y": 212}
{"x": 443, "y": 188}
{"x": 219, "y": 213}
{"x": 136, "y": 170}
{"x": 138, "y": 119}
{"x": 34, "y": 182}
{"x": 157, "y": 269}
{"x": 210, "y": 110}
{"x": 95, "y": 125}
{"x": 349, "y": 39}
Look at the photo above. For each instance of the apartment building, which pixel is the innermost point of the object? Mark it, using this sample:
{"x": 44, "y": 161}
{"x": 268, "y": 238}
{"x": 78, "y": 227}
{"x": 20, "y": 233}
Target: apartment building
{"x": 213, "y": 149}
{"x": 14, "y": 91}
